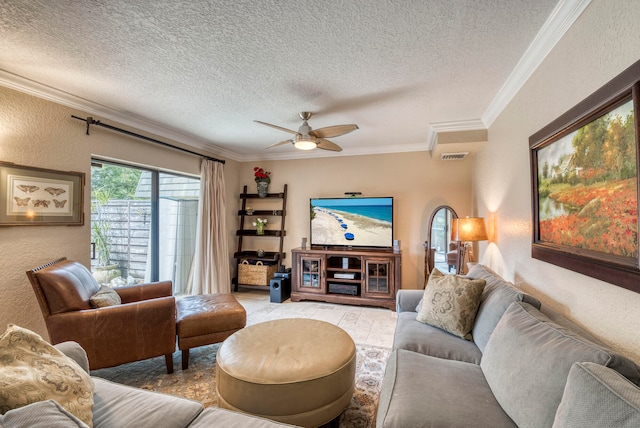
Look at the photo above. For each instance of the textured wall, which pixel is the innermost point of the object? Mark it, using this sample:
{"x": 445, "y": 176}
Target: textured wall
{"x": 39, "y": 133}
{"x": 604, "y": 41}
{"x": 36, "y": 133}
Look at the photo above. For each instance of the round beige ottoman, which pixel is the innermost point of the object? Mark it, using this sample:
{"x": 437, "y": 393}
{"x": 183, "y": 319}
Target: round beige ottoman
{"x": 296, "y": 371}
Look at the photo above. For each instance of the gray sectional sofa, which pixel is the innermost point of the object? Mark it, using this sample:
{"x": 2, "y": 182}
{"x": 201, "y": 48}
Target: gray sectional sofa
{"x": 523, "y": 368}
{"x": 118, "y": 406}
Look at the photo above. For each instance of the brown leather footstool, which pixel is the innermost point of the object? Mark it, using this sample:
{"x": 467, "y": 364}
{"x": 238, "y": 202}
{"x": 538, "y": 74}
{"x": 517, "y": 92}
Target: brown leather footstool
{"x": 296, "y": 371}
{"x": 206, "y": 319}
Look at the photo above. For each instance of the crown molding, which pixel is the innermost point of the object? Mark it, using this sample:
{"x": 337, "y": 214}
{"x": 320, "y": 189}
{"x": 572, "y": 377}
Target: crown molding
{"x": 102, "y": 112}
{"x": 460, "y": 125}
{"x": 561, "y": 19}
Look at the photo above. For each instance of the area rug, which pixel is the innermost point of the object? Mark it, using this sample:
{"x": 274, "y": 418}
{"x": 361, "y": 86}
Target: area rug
{"x": 199, "y": 381}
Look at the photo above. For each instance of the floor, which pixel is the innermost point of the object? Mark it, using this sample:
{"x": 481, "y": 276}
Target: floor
{"x": 366, "y": 325}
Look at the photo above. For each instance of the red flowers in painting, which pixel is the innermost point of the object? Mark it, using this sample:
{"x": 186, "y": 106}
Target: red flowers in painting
{"x": 261, "y": 175}
{"x": 605, "y": 220}
{"x": 588, "y": 194}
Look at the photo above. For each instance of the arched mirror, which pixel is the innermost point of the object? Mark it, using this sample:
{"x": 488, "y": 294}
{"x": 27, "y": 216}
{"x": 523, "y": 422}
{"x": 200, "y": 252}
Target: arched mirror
{"x": 440, "y": 251}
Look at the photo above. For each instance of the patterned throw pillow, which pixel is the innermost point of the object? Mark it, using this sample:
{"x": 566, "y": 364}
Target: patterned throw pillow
{"x": 105, "y": 296}
{"x": 450, "y": 302}
{"x": 32, "y": 370}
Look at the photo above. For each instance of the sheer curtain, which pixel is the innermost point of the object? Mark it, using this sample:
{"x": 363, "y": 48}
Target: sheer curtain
{"x": 211, "y": 267}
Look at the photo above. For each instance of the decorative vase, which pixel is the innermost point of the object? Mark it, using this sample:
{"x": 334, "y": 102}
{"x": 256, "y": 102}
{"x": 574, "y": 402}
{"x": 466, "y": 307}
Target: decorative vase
{"x": 263, "y": 186}
{"x": 260, "y": 229}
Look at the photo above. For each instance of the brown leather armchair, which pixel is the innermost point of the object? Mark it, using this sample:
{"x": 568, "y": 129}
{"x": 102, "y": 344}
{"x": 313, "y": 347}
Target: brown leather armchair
{"x": 143, "y": 326}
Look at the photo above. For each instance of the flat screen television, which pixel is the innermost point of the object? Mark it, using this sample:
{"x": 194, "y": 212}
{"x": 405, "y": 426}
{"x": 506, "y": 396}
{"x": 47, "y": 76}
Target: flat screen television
{"x": 352, "y": 222}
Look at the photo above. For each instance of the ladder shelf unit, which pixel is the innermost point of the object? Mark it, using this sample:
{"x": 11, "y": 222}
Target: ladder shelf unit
{"x": 279, "y": 201}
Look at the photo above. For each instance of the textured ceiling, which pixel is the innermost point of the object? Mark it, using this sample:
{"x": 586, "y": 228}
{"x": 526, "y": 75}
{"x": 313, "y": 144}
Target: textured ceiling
{"x": 202, "y": 71}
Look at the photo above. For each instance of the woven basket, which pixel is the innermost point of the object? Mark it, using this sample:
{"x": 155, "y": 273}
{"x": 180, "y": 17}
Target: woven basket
{"x": 258, "y": 274}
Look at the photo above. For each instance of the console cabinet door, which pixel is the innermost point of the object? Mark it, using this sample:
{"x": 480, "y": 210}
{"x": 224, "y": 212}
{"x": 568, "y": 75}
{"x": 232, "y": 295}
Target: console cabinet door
{"x": 378, "y": 278}
{"x": 311, "y": 274}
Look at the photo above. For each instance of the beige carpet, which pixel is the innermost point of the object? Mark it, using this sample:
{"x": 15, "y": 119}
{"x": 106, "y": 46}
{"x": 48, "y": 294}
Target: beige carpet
{"x": 199, "y": 382}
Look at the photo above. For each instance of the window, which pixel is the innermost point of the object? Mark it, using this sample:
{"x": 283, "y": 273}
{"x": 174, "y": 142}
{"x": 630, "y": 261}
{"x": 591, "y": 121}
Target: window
{"x": 143, "y": 225}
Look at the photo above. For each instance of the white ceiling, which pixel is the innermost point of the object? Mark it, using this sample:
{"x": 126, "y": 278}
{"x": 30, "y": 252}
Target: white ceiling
{"x": 202, "y": 71}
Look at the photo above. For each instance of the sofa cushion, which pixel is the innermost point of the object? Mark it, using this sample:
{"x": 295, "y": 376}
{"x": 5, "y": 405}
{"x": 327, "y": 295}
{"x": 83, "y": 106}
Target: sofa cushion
{"x": 119, "y": 406}
{"x": 598, "y": 396}
{"x": 497, "y": 295}
{"x": 425, "y": 339}
{"x": 42, "y": 414}
{"x": 527, "y": 361}
{"x": 450, "y": 302}
{"x": 423, "y": 391}
{"x": 33, "y": 370}
{"x": 74, "y": 351}
{"x": 106, "y": 296}
{"x": 217, "y": 417}
{"x": 407, "y": 300}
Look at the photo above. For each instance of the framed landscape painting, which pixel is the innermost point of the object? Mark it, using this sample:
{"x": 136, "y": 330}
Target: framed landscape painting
{"x": 38, "y": 196}
{"x": 584, "y": 173}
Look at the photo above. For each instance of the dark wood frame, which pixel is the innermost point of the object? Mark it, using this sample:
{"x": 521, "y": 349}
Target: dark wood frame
{"x": 429, "y": 260}
{"x": 43, "y": 215}
{"x": 364, "y": 296}
{"x": 618, "y": 270}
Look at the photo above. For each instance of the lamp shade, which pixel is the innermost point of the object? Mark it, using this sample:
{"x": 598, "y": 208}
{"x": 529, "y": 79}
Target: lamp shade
{"x": 468, "y": 229}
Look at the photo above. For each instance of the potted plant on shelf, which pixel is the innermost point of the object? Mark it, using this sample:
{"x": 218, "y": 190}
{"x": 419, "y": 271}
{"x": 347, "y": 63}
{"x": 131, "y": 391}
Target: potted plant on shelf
{"x": 262, "y": 179}
{"x": 259, "y": 224}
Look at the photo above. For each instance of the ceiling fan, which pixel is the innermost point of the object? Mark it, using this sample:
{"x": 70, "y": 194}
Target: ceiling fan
{"x": 307, "y": 138}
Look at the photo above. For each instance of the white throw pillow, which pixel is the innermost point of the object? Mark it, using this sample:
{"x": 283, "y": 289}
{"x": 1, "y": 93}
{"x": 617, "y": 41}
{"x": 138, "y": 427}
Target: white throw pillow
{"x": 105, "y": 296}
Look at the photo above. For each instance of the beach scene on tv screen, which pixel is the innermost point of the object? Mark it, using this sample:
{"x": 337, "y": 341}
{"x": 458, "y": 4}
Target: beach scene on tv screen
{"x": 364, "y": 222}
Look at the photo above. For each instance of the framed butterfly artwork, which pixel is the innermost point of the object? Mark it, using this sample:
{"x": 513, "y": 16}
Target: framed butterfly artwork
{"x": 36, "y": 196}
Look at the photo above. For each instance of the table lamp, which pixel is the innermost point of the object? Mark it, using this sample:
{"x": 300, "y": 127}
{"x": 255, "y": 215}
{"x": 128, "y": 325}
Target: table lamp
{"x": 465, "y": 231}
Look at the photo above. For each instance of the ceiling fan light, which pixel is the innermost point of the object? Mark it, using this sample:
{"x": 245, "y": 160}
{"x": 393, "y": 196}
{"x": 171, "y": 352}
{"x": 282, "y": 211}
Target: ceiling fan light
{"x": 305, "y": 143}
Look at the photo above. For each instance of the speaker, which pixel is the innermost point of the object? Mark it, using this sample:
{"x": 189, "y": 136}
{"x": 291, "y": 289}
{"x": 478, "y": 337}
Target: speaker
{"x": 279, "y": 289}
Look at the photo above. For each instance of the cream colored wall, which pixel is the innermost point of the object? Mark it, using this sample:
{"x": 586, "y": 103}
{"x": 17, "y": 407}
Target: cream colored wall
{"x": 418, "y": 184}
{"x": 39, "y": 133}
{"x": 603, "y": 42}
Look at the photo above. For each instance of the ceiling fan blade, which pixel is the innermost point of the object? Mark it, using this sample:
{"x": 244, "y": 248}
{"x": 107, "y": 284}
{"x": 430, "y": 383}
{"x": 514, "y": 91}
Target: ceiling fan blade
{"x": 277, "y": 127}
{"x": 280, "y": 143}
{"x": 328, "y": 145}
{"x": 333, "y": 131}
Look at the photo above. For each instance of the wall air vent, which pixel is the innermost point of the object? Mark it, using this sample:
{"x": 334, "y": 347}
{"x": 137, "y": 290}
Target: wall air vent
{"x": 453, "y": 156}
